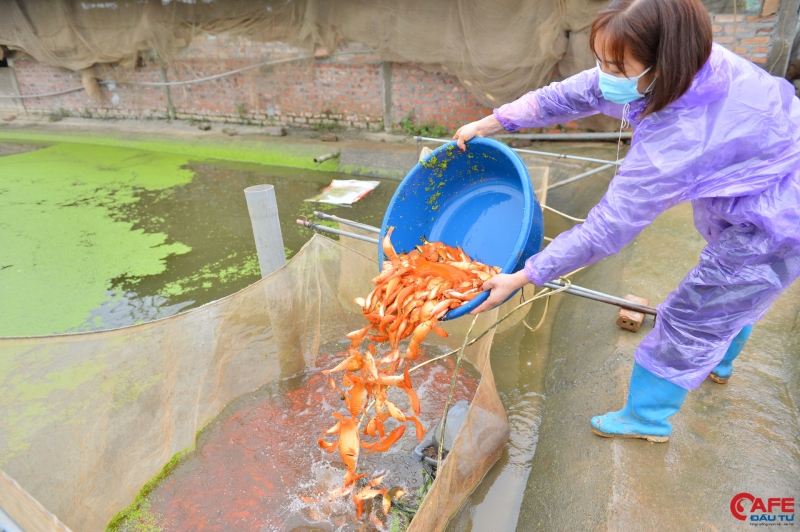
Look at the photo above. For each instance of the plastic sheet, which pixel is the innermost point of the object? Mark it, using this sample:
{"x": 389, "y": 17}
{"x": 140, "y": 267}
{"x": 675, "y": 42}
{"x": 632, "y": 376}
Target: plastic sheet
{"x": 88, "y": 418}
{"x": 730, "y": 145}
{"x": 470, "y": 39}
{"x": 345, "y": 191}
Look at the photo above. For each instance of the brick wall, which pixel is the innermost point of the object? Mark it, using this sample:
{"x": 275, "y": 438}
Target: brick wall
{"x": 138, "y": 102}
{"x": 746, "y": 35}
{"x": 432, "y": 96}
{"x": 345, "y": 90}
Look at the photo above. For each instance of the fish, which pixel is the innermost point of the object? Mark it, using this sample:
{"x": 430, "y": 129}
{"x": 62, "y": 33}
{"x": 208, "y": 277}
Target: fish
{"x": 387, "y": 502}
{"x": 345, "y": 364}
{"x": 395, "y": 412}
{"x": 348, "y": 441}
{"x": 341, "y": 491}
{"x": 410, "y": 297}
{"x": 384, "y": 444}
{"x": 418, "y": 427}
{"x": 358, "y": 336}
{"x": 368, "y": 493}
{"x": 350, "y": 478}
{"x": 388, "y": 248}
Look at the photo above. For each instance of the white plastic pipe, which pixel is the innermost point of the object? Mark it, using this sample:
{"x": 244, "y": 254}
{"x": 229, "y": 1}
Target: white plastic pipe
{"x": 263, "y": 210}
{"x": 7, "y": 524}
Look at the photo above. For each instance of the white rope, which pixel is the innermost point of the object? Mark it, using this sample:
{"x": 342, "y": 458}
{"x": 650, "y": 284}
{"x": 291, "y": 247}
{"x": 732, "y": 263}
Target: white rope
{"x": 216, "y": 76}
{"x": 567, "y": 216}
{"x": 44, "y": 95}
{"x": 169, "y": 83}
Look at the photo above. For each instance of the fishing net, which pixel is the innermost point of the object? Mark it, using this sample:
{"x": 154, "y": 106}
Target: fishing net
{"x": 499, "y": 50}
{"x": 87, "y": 419}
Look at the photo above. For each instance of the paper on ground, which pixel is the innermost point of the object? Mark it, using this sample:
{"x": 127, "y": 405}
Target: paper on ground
{"x": 345, "y": 191}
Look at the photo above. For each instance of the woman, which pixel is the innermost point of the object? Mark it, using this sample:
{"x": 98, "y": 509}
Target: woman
{"x": 710, "y": 128}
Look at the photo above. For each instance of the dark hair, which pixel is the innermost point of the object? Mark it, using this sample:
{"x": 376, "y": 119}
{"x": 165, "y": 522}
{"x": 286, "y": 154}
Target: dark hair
{"x": 671, "y": 36}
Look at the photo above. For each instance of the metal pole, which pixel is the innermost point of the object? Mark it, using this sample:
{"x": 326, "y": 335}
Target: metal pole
{"x": 566, "y": 136}
{"x": 554, "y": 285}
{"x": 580, "y": 176}
{"x": 603, "y": 298}
{"x": 263, "y": 210}
{"x": 345, "y": 221}
{"x": 544, "y": 153}
{"x": 316, "y": 227}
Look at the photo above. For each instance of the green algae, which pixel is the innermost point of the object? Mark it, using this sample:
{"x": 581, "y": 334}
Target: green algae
{"x": 35, "y": 395}
{"x": 107, "y": 203}
{"x": 210, "y": 274}
{"x": 275, "y": 152}
{"x": 137, "y": 517}
{"x": 430, "y": 163}
{"x": 56, "y": 224}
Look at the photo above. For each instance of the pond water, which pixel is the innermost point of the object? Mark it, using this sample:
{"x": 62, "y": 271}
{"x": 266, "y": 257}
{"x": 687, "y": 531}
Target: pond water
{"x": 96, "y": 237}
{"x": 258, "y": 467}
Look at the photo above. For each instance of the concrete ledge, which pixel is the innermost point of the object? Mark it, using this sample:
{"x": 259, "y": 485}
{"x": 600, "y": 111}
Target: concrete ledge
{"x": 368, "y": 161}
{"x": 376, "y": 159}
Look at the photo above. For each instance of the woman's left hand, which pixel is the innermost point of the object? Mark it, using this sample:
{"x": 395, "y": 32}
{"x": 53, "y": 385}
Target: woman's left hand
{"x": 502, "y": 285}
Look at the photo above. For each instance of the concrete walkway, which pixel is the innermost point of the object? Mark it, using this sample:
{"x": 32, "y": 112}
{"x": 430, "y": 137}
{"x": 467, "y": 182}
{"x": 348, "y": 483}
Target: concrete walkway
{"x": 743, "y": 436}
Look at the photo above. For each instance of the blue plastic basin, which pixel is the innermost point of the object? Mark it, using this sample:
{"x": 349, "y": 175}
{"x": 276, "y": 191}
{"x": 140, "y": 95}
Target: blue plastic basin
{"x": 481, "y": 200}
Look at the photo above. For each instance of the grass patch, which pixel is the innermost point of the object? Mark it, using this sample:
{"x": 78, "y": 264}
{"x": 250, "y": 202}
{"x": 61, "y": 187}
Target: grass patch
{"x": 426, "y": 129}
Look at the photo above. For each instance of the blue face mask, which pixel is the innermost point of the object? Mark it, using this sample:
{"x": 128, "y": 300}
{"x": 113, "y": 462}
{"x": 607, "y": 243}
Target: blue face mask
{"x": 620, "y": 90}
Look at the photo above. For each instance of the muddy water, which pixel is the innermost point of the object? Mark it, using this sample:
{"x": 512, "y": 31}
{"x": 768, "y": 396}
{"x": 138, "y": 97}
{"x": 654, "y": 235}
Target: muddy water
{"x": 96, "y": 237}
{"x": 257, "y": 466}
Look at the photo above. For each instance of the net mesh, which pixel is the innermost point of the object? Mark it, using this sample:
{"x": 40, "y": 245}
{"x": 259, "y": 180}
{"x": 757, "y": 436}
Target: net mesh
{"x": 496, "y": 56}
{"x": 87, "y": 419}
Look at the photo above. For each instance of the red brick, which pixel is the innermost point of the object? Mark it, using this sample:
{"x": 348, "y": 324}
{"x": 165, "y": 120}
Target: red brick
{"x": 755, "y": 40}
{"x": 770, "y": 7}
{"x": 723, "y": 19}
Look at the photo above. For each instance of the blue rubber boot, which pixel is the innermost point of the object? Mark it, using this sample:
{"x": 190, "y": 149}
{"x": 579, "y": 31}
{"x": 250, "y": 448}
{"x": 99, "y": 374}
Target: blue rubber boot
{"x": 724, "y": 369}
{"x": 651, "y": 400}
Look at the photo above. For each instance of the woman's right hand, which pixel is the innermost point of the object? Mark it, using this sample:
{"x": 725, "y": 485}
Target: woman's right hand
{"x": 485, "y": 126}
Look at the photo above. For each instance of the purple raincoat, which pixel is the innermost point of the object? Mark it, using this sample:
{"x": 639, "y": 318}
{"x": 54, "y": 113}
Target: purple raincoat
{"x": 731, "y": 145}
